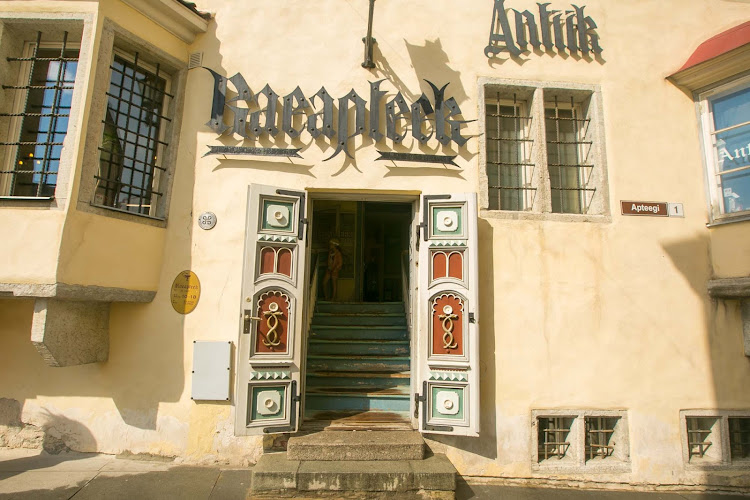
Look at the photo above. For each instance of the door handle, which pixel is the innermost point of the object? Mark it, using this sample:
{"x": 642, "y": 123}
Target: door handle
{"x": 247, "y": 319}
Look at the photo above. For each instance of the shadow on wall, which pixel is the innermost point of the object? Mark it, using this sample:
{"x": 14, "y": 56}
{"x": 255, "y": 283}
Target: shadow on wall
{"x": 486, "y": 444}
{"x": 50, "y": 432}
{"x": 147, "y": 353}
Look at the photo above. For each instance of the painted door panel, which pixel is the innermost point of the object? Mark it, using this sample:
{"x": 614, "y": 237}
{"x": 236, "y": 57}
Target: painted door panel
{"x": 268, "y": 367}
{"x": 448, "y": 353}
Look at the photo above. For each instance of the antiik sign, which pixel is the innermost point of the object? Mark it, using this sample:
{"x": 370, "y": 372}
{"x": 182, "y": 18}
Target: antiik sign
{"x": 259, "y": 117}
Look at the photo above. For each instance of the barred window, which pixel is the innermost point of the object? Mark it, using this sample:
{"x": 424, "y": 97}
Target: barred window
{"x": 543, "y": 150}
{"x": 739, "y": 437}
{"x": 703, "y": 438}
{"x": 554, "y": 440}
{"x": 599, "y": 434}
{"x": 130, "y": 170}
{"x": 509, "y": 164}
{"x": 39, "y": 122}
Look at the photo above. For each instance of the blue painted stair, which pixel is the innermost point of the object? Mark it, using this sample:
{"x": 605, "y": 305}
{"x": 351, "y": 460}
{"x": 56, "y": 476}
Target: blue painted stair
{"x": 358, "y": 359}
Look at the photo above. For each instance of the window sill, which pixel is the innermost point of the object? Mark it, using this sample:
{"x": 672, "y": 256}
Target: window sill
{"x": 36, "y": 202}
{"x": 729, "y": 219}
{"x": 539, "y": 216}
{"x": 614, "y": 467}
{"x": 134, "y": 214}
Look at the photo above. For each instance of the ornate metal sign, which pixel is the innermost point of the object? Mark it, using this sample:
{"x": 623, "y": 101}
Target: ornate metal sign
{"x": 258, "y": 117}
{"x": 186, "y": 291}
{"x": 560, "y": 30}
{"x": 420, "y": 158}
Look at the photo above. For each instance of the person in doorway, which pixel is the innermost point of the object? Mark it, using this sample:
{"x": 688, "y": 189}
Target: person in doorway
{"x": 335, "y": 262}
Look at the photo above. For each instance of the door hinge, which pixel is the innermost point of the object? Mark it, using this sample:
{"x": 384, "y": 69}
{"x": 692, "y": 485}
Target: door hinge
{"x": 422, "y": 398}
{"x": 472, "y": 318}
{"x": 292, "y": 427}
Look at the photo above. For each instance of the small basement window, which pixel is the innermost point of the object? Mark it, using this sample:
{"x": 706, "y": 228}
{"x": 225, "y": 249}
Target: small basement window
{"x": 600, "y": 431}
{"x": 554, "y": 437}
{"x": 38, "y": 121}
{"x": 739, "y": 438}
{"x": 703, "y": 438}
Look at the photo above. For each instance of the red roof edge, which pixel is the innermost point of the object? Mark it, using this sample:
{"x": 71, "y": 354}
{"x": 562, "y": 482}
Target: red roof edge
{"x": 720, "y": 44}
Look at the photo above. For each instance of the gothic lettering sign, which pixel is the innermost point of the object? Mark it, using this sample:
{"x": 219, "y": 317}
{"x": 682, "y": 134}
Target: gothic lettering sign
{"x": 549, "y": 29}
{"x": 340, "y": 120}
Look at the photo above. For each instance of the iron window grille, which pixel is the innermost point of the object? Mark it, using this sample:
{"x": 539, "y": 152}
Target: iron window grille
{"x": 553, "y": 437}
{"x": 568, "y": 157}
{"x": 510, "y": 168}
{"x": 44, "y": 96}
{"x": 599, "y": 432}
{"x": 739, "y": 437}
{"x": 699, "y": 430}
{"x": 130, "y": 170}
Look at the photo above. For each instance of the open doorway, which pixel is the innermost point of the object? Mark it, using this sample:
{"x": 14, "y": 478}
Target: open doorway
{"x": 359, "y": 353}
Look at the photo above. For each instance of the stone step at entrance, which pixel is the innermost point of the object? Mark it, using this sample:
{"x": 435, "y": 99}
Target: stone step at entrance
{"x": 357, "y": 446}
{"x": 372, "y": 464}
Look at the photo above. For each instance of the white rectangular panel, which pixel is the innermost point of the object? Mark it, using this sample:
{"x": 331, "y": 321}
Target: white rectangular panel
{"x": 211, "y": 370}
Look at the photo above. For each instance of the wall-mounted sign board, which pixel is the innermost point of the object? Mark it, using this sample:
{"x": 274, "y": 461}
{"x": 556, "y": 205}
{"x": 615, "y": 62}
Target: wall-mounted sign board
{"x": 185, "y": 293}
{"x": 652, "y": 208}
{"x": 211, "y": 371}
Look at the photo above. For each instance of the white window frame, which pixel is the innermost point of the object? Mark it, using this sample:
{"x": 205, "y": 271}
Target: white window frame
{"x": 710, "y": 155}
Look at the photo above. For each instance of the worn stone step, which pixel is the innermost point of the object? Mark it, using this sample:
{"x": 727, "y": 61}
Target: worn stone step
{"x": 366, "y": 320}
{"x": 358, "y": 332}
{"x": 382, "y": 347}
{"x": 276, "y": 472}
{"x": 368, "y": 445}
{"x": 329, "y": 399}
{"x": 324, "y": 306}
{"x": 346, "y": 363}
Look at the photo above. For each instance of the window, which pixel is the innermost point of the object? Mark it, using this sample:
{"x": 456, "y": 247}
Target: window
{"x": 131, "y": 172}
{"x": 580, "y": 440}
{"x": 726, "y": 128}
{"x": 38, "y": 123}
{"x": 543, "y": 151}
{"x": 716, "y": 438}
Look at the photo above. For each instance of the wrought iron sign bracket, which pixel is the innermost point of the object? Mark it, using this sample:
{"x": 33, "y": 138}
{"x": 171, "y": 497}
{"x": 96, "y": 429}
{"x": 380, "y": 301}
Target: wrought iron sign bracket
{"x": 302, "y": 219}
{"x": 292, "y": 416}
{"x": 369, "y": 41}
{"x": 422, "y": 398}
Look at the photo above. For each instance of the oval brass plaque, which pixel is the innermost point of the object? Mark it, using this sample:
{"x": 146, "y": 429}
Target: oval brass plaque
{"x": 186, "y": 290}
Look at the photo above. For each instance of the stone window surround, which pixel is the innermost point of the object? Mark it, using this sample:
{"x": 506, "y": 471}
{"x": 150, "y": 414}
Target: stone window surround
{"x": 32, "y": 22}
{"x": 578, "y": 443}
{"x": 723, "y": 422}
{"x": 114, "y": 36}
{"x": 600, "y": 208}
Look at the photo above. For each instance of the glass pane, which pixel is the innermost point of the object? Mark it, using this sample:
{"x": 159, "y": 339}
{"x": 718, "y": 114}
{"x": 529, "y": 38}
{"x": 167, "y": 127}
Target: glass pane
{"x": 46, "y": 124}
{"x": 562, "y": 132}
{"x": 735, "y": 188}
{"x": 506, "y": 154}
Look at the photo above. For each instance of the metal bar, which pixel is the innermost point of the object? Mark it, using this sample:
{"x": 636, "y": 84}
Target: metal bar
{"x": 33, "y": 58}
{"x": 37, "y": 87}
{"x": 158, "y": 115}
{"x": 514, "y": 188}
{"x": 509, "y": 140}
{"x": 32, "y": 143}
{"x": 135, "y": 161}
{"x": 731, "y": 171}
{"x": 26, "y": 103}
{"x": 139, "y": 135}
{"x": 53, "y": 122}
{"x": 147, "y": 85}
{"x": 510, "y": 164}
{"x": 34, "y": 114}
{"x": 130, "y": 186}
{"x": 570, "y": 142}
{"x": 500, "y": 115}
{"x": 727, "y": 129}
{"x": 573, "y": 189}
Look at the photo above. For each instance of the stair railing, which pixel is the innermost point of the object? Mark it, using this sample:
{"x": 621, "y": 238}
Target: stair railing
{"x": 313, "y": 288}
{"x": 405, "y": 287}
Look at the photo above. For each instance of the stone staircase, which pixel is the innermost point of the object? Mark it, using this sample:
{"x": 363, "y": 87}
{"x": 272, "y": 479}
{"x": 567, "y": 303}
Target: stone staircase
{"x": 358, "y": 360}
{"x": 354, "y": 464}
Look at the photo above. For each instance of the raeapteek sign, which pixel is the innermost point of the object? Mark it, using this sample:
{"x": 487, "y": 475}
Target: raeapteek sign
{"x": 570, "y": 30}
{"x": 260, "y": 117}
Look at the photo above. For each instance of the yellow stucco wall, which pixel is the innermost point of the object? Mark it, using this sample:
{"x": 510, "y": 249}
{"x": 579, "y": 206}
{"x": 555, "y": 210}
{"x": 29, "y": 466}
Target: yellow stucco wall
{"x": 578, "y": 315}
